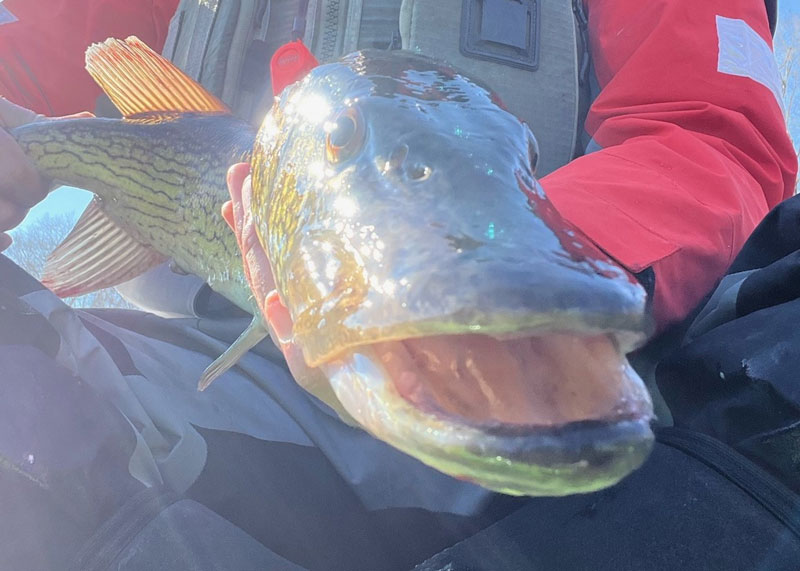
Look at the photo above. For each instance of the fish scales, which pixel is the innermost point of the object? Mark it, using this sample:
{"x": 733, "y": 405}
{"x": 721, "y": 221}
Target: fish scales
{"x": 161, "y": 178}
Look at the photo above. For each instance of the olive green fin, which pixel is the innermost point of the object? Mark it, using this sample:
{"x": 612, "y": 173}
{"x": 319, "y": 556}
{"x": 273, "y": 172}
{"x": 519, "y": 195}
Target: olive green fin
{"x": 139, "y": 80}
{"x": 249, "y": 338}
{"x": 96, "y": 254}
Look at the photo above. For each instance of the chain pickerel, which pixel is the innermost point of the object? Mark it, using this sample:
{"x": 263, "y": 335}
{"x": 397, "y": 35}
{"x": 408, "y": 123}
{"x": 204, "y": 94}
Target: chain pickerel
{"x": 433, "y": 295}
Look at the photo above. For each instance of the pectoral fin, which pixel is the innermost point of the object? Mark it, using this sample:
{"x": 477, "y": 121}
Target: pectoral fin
{"x": 249, "y": 338}
{"x": 96, "y": 254}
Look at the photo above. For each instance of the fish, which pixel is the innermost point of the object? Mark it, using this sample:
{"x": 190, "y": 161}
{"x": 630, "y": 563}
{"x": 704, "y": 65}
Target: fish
{"x": 426, "y": 288}
{"x": 158, "y": 176}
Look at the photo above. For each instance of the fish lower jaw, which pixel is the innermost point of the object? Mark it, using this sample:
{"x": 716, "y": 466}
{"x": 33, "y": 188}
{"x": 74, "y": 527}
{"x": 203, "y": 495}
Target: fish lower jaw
{"x": 530, "y": 450}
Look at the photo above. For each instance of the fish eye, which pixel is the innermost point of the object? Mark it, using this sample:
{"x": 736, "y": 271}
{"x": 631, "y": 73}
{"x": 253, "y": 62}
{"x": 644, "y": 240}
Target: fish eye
{"x": 345, "y": 135}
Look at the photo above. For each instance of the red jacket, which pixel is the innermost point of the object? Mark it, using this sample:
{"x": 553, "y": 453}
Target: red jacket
{"x": 692, "y": 157}
{"x": 41, "y": 54}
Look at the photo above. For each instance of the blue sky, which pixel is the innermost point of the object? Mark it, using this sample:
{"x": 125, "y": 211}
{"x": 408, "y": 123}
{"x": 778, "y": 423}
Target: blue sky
{"x": 62, "y": 200}
{"x": 73, "y": 201}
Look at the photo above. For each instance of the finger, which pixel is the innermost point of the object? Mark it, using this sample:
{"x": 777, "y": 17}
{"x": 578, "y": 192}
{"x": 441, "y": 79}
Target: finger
{"x": 258, "y": 270}
{"x": 249, "y": 240}
{"x": 5, "y": 241}
{"x": 20, "y": 183}
{"x": 236, "y": 177}
{"x": 10, "y": 214}
{"x": 12, "y": 115}
{"x": 81, "y": 115}
{"x": 247, "y": 197}
{"x": 278, "y": 318}
{"x": 227, "y": 214}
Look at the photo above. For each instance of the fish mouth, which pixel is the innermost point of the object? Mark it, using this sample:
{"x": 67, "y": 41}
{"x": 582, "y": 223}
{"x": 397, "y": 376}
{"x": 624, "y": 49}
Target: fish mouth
{"x": 549, "y": 414}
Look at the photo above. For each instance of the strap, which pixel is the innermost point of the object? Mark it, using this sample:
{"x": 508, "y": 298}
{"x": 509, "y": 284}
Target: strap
{"x": 776, "y": 498}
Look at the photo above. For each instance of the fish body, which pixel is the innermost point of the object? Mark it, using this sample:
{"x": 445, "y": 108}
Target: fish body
{"x": 436, "y": 298}
{"x": 158, "y": 176}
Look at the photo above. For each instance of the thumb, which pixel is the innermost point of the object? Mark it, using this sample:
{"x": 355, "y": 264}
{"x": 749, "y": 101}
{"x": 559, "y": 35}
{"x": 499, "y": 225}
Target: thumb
{"x": 13, "y": 115}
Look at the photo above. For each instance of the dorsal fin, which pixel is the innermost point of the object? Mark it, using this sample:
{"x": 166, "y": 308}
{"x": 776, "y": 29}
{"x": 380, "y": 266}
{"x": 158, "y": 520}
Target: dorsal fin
{"x": 96, "y": 254}
{"x": 138, "y": 80}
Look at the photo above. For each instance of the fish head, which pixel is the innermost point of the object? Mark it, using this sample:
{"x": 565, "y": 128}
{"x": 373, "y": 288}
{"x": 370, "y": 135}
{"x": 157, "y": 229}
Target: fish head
{"x": 433, "y": 290}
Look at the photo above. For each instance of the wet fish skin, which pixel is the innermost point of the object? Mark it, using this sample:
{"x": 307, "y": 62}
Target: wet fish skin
{"x": 161, "y": 177}
{"x": 424, "y": 219}
{"x": 428, "y": 239}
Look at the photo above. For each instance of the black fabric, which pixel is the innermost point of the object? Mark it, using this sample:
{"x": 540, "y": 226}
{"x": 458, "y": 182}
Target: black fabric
{"x": 738, "y": 379}
{"x": 187, "y": 536}
{"x": 64, "y": 455}
{"x": 16, "y": 280}
{"x": 772, "y": 14}
{"x": 68, "y": 500}
{"x": 22, "y": 325}
{"x": 777, "y": 235}
{"x": 291, "y": 499}
{"x": 114, "y": 347}
{"x": 676, "y": 512}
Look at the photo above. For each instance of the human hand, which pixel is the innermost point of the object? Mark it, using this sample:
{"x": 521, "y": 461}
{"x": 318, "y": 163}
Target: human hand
{"x": 21, "y": 186}
{"x": 237, "y": 214}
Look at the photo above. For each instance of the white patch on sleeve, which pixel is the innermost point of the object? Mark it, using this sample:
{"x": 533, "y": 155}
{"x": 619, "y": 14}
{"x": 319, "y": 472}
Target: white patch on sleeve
{"x": 6, "y": 17}
{"x": 744, "y": 53}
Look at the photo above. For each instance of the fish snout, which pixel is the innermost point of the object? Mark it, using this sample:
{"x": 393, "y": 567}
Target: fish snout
{"x": 508, "y": 294}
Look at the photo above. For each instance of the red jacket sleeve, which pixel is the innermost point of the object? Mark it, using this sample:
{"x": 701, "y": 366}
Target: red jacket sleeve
{"x": 693, "y": 143}
{"x": 41, "y": 54}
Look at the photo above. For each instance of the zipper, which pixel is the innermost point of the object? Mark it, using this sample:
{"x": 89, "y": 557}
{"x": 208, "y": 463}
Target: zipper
{"x": 764, "y": 488}
{"x": 330, "y": 32}
{"x": 583, "y": 30}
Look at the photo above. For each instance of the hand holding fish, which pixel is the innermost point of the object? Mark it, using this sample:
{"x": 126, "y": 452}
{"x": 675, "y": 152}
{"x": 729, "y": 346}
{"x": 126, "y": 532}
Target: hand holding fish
{"x": 237, "y": 214}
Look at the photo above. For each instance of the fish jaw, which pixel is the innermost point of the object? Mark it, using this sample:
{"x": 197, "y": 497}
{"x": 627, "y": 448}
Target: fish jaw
{"x": 544, "y": 443}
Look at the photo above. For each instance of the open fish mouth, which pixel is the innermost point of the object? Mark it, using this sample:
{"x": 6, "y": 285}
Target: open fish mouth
{"x": 550, "y": 414}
